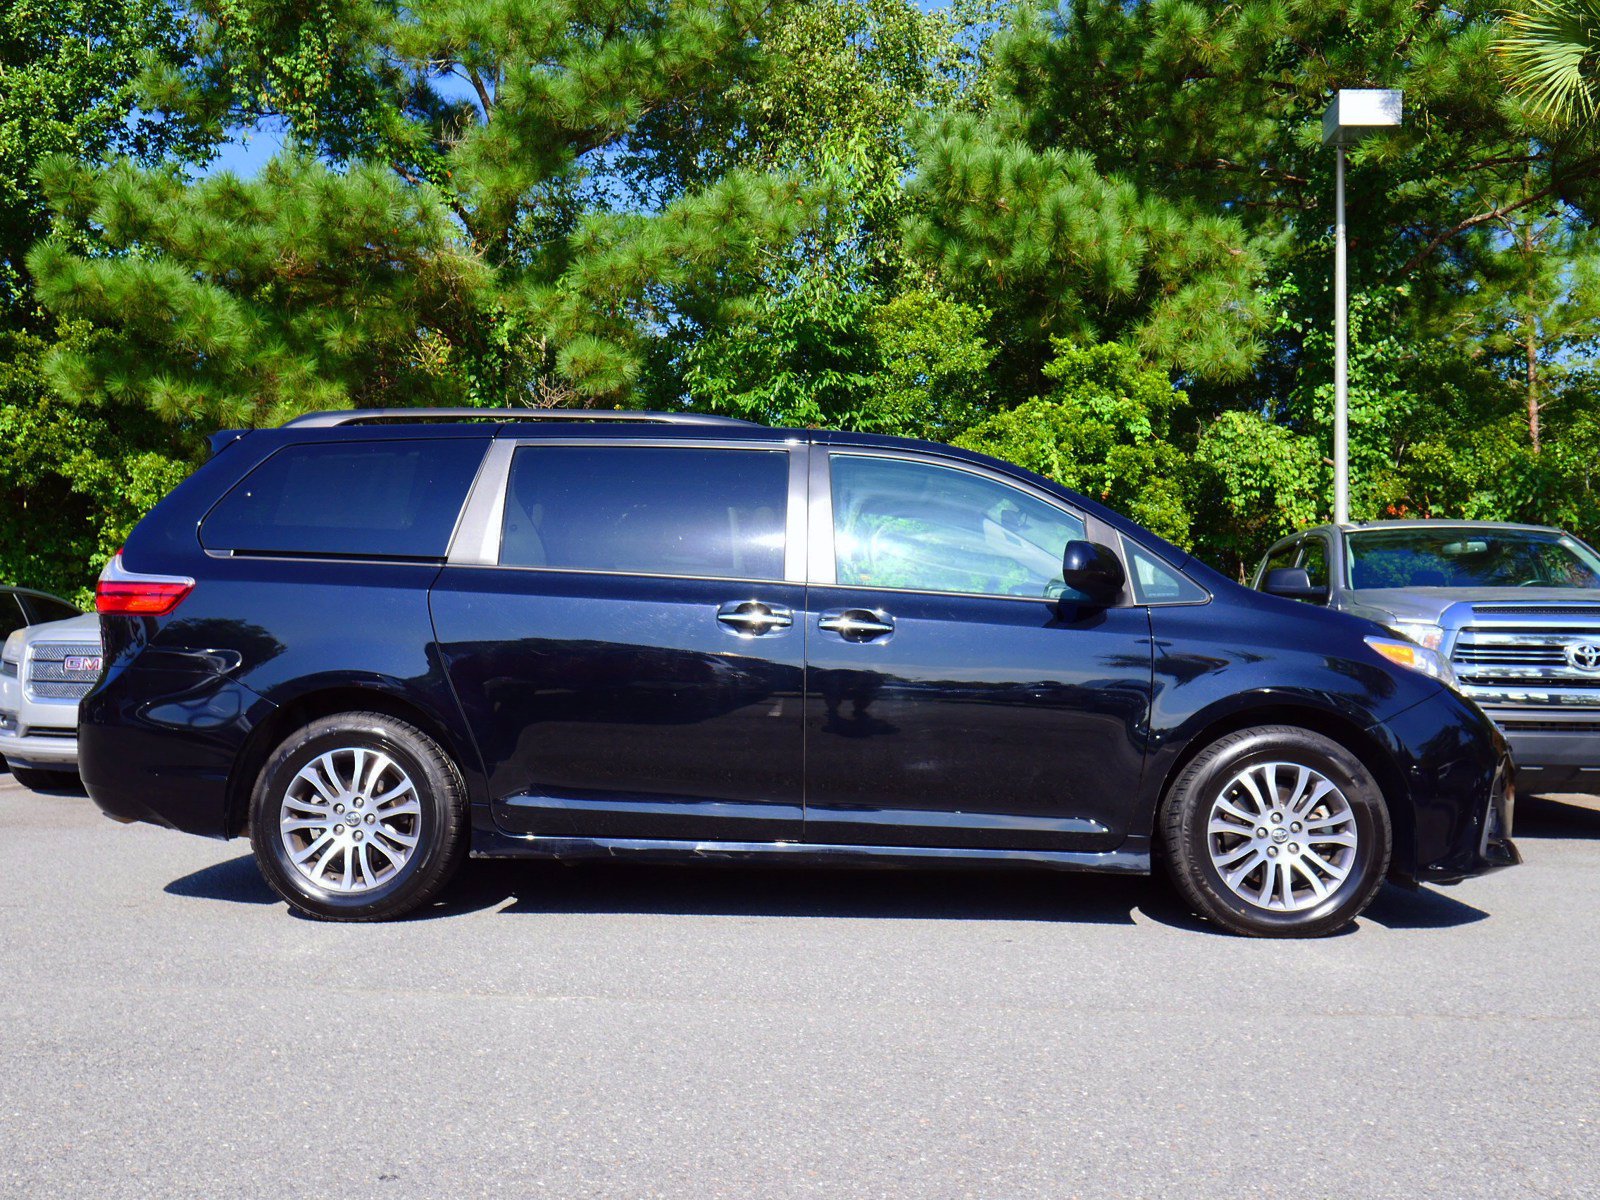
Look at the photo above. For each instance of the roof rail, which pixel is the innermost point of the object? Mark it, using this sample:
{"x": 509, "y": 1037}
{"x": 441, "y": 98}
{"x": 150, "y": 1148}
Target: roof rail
{"x": 360, "y": 416}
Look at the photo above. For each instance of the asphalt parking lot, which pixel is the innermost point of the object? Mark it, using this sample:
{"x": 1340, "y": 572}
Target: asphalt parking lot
{"x": 167, "y": 1029}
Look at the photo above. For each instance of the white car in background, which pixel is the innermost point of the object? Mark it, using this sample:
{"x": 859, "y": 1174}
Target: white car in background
{"x": 45, "y": 670}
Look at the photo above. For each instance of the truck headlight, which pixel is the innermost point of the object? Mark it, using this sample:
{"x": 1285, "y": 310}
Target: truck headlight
{"x": 1415, "y": 658}
{"x": 1423, "y": 633}
{"x": 13, "y": 651}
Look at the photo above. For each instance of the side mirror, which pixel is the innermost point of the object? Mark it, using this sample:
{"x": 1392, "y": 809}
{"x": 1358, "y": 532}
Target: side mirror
{"x": 1094, "y": 570}
{"x": 1293, "y": 583}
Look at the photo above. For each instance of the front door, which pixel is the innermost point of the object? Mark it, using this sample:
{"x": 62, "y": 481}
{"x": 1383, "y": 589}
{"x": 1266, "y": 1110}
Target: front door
{"x": 957, "y": 695}
{"x": 630, "y": 660}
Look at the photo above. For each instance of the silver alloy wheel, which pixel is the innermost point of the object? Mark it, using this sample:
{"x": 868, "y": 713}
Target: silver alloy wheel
{"x": 350, "y": 820}
{"x": 1282, "y": 836}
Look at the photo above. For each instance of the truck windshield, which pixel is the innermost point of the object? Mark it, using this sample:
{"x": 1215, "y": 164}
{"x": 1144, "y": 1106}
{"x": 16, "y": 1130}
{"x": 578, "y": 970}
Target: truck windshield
{"x": 1469, "y": 558}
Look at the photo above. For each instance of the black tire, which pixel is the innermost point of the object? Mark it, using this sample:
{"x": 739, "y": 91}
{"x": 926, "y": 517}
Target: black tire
{"x": 440, "y": 827}
{"x": 1188, "y": 840}
{"x": 42, "y": 779}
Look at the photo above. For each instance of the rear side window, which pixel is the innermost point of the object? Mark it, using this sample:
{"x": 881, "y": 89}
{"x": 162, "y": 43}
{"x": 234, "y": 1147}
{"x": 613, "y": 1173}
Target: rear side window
{"x": 368, "y": 499}
{"x": 646, "y": 510}
{"x": 48, "y": 608}
{"x": 12, "y": 618}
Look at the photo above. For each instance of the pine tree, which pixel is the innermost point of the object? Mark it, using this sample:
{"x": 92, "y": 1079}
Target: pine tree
{"x": 474, "y": 228}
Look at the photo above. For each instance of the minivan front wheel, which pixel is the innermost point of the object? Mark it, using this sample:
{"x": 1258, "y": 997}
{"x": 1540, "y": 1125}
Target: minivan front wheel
{"x": 1277, "y": 832}
{"x": 358, "y": 817}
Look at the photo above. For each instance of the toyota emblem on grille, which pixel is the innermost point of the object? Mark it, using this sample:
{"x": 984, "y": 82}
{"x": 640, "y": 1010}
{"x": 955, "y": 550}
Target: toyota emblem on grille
{"x": 1585, "y": 656}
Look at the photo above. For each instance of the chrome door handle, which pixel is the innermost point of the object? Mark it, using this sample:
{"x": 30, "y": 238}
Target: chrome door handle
{"x": 857, "y": 624}
{"x": 751, "y": 618}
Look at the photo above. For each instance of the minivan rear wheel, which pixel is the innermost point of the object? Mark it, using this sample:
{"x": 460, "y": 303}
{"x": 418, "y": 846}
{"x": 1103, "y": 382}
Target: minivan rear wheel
{"x": 1277, "y": 832}
{"x": 358, "y": 817}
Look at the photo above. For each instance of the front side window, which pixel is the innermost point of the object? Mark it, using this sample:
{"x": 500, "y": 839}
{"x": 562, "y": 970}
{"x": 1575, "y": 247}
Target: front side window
{"x": 917, "y": 526}
{"x": 1314, "y": 558}
{"x": 1156, "y": 583}
{"x": 1277, "y": 561}
{"x": 1464, "y": 557}
{"x": 360, "y": 499}
{"x": 647, "y": 510}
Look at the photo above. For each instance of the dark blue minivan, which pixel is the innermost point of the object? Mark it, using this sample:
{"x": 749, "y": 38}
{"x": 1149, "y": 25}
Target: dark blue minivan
{"x": 383, "y": 641}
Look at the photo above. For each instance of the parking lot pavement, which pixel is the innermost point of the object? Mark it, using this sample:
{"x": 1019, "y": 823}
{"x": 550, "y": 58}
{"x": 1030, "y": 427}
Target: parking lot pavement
{"x": 167, "y": 1029}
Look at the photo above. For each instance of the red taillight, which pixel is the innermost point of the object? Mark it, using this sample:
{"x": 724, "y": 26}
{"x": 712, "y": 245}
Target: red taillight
{"x": 122, "y": 591}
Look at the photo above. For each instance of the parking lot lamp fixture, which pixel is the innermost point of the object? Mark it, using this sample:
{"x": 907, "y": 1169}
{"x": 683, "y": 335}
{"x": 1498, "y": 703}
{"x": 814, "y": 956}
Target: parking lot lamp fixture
{"x": 1353, "y": 113}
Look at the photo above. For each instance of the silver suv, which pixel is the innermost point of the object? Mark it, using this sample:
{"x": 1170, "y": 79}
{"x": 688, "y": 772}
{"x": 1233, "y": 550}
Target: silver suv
{"x": 44, "y": 671}
{"x": 1515, "y": 609}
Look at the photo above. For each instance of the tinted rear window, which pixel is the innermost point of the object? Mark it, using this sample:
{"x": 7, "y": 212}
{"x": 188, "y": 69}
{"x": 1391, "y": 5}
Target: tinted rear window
{"x": 48, "y": 608}
{"x": 380, "y": 499}
{"x": 647, "y": 511}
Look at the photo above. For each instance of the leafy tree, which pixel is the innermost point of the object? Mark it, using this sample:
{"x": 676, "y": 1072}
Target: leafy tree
{"x": 68, "y": 80}
{"x": 822, "y": 355}
{"x": 73, "y": 478}
{"x": 1109, "y": 429}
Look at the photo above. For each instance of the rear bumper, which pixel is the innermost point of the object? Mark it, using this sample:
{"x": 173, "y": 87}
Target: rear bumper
{"x": 159, "y": 746}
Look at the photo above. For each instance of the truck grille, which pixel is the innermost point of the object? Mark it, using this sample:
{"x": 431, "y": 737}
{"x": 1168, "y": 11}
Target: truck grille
{"x": 49, "y": 677}
{"x": 1541, "y": 610}
{"x": 1527, "y": 666}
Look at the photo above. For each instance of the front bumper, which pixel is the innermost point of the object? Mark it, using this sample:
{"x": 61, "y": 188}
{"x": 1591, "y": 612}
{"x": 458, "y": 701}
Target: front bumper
{"x": 42, "y": 747}
{"x": 1458, "y": 775}
{"x": 1495, "y": 850}
{"x": 1553, "y": 753}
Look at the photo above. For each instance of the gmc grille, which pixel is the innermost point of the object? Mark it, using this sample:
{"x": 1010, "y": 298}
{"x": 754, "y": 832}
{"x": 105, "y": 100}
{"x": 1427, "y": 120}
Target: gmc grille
{"x": 48, "y": 677}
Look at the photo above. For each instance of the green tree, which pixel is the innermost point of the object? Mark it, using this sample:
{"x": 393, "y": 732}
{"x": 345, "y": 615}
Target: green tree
{"x": 1111, "y": 428}
{"x": 73, "y": 478}
{"x": 483, "y": 247}
{"x": 69, "y": 74}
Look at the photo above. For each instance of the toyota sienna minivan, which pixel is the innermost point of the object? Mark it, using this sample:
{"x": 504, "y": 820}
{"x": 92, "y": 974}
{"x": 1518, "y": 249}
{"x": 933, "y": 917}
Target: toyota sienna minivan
{"x": 381, "y": 642}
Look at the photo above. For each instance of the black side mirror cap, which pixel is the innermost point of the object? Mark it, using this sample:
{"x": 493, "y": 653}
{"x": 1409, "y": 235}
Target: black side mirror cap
{"x": 1094, "y": 570}
{"x": 1293, "y": 583}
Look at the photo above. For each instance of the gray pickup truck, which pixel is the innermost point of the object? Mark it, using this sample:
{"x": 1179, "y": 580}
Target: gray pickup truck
{"x": 1514, "y": 608}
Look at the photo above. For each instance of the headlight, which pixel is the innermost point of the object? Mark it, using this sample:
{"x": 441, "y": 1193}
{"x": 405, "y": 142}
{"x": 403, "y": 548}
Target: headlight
{"x": 1414, "y": 657}
{"x": 1423, "y": 633}
{"x": 13, "y": 650}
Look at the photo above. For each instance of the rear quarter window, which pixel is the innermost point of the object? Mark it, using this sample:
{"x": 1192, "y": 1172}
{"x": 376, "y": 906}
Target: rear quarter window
{"x": 366, "y": 499}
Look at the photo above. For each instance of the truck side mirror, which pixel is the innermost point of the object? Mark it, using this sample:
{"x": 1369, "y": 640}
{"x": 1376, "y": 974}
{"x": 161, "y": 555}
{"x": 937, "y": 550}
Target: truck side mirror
{"x": 1293, "y": 583}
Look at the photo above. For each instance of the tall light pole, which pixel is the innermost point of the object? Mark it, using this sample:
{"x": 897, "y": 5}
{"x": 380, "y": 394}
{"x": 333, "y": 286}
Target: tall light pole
{"x": 1354, "y": 112}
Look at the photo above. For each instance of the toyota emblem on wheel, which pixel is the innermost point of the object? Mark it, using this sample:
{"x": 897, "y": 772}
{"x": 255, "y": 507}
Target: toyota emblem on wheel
{"x": 1585, "y": 656}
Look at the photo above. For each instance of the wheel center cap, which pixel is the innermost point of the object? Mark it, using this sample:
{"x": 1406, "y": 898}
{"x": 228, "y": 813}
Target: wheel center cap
{"x": 1280, "y": 836}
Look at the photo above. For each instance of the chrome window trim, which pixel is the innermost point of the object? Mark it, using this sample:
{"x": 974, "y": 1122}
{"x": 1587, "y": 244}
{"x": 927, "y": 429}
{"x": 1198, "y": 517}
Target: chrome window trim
{"x": 630, "y": 574}
{"x": 477, "y": 542}
{"x": 822, "y": 531}
{"x": 477, "y": 535}
{"x": 823, "y": 569}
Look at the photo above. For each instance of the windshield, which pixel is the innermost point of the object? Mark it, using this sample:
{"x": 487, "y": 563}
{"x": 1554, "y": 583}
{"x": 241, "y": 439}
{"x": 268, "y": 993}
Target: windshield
{"x": 1469, "y": 558}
